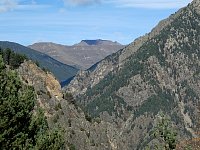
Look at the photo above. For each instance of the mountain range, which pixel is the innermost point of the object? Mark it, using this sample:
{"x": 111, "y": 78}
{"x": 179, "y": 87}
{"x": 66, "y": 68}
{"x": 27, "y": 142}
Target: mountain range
{"x": 119, "y": 102}
{"x": 158, "y": 72}
{"x": 61, "y": 71}
{"x": 82, "y": 55}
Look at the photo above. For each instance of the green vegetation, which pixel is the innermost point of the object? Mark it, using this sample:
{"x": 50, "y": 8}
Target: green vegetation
{"x": 69, "y": 97}
{"x": 61, "y": 71}
{"x": 72, "y": 147}
{"x": 99, "y": 105}
{"x": 12, "y": 59}
{"x": 103, "y": 94}
{"x": 88, "y": 117}
{"x": 58, "y": 107}
{"x": 162, "y": 101}
{"x": 191, "y": 95}
{"x": 164, "y": 133}
{"x": 22, "y": 127}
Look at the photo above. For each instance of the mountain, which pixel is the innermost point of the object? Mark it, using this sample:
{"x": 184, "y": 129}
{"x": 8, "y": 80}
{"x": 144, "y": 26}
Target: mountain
{"x": 82, "y": 55}
{"x": 157, "y": 72}
{"x": 98, "y": 42}
{"x": 79, "y": 130}
{"x": 60, "y": 70}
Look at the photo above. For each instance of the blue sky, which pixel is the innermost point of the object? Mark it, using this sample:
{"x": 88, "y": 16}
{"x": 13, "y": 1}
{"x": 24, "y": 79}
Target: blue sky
{"x": 70, "y": 21}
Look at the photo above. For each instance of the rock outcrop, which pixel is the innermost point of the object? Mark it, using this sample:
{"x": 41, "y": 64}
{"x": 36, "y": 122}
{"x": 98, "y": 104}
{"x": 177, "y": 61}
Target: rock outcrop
{"x": 81, "y": 132}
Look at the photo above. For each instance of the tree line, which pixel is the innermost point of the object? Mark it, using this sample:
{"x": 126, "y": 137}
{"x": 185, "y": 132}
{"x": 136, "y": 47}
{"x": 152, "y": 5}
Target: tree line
{"x": 11, "y": 58}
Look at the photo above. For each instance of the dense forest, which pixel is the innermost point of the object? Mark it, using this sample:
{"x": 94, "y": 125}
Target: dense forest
{"x": 22, "y": 125}
{"x": 11, "y": 58}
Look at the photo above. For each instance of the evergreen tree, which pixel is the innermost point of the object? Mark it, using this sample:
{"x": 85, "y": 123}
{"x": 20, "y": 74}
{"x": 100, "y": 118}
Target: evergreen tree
{"x": 164, "y": 133}
{"x": 19, "y": 127}
{"x": 11, "y": 58}
{"x": 7, "y": 55}
{"x": 1, "y": 51}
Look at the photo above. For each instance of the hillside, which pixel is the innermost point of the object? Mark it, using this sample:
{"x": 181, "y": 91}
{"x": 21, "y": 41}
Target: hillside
{"x": 82, "y": 55}
{"x": 79, "y": 130}
{"x": 41, "y": 117}
{"x": 22, "y": 121}
{"x": 60, "y": 70}
{"x": 157, "y": 72}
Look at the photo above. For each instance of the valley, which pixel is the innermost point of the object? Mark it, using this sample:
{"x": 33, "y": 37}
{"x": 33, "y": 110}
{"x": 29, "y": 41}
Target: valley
{"x": 102, "y": 95}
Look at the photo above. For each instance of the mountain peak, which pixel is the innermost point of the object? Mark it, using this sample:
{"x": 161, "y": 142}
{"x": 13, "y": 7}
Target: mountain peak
{"x": 96, "y": 42}
{"x": 82, "y": 55}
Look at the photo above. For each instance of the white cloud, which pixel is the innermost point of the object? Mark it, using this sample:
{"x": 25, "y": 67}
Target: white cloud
{"x": 7, "y": 5}
{"x": 31, "y": 7}
{"x": 152, "y": 4}
{"x": 10, "y": 5}
{"x": 81, "y": 2}
{"x": 62, "y": 10}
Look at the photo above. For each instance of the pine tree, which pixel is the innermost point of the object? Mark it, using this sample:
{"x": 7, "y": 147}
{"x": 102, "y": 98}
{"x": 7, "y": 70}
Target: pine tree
{"x": 16, "y": 105}
{"x": 19, "y": 127}
{"x": 7, "y": 55}
{"x": 165, "y": 133}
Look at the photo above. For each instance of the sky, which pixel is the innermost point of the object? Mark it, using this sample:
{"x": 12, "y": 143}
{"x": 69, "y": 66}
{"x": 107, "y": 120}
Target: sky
{"x": 70, "y": 21}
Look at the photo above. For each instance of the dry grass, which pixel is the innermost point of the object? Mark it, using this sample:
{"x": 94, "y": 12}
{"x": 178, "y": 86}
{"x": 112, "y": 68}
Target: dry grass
{"x": 193, "y": 144}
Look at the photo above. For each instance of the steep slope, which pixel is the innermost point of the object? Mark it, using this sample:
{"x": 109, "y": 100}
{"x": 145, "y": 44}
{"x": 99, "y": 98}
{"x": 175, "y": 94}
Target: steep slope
{"x": 60, "y": 70}
{"x": 82, "y": 55}
{"x": 80, "y": 132}
{"x": 22, "y": 126}
{"x": 159, "y": 71}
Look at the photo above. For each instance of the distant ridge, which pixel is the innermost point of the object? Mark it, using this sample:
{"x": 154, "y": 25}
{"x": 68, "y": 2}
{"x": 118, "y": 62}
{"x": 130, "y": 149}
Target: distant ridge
{"x": 82, "y": 55}
{"x": 61, "y": 71}
{"x": 97, "y": 42}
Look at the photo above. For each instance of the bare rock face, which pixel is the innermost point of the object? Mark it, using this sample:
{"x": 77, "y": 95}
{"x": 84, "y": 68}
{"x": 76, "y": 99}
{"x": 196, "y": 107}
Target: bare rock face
{"x": 39, "y": 79}
{"x": 47, "y": 88}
